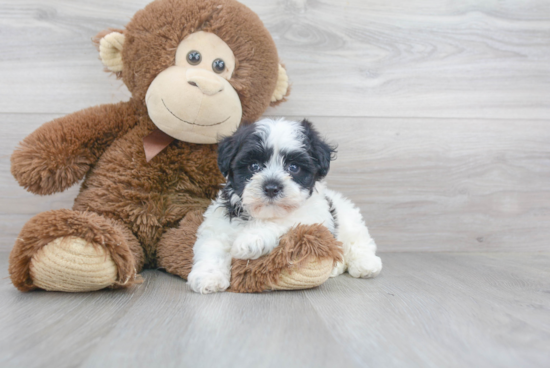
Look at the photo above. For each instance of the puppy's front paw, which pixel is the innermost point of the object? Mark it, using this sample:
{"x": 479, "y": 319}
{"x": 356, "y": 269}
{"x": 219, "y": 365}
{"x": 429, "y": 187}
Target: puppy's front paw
{"x": 249, "y": 246}
{"x": 206, "y": 282}
{"x": 338, "y": 269}
{"x": 365, "y": 266}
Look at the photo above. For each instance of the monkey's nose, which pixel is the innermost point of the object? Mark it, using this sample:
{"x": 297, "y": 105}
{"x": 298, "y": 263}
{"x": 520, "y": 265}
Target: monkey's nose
{"x": 206, "y": 81}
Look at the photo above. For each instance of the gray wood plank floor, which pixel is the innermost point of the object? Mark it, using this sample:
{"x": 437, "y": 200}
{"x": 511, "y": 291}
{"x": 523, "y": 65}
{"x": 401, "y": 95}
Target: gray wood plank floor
{"x": 424, "y": 310}
{"x": 393, "y": 58}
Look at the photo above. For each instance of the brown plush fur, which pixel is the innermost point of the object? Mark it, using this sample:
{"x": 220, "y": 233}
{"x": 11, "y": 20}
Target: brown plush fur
{"x": 150, "y": 197}
{"x": 59, "y": 153}
{"x": 175, "y": 248}
{"x": 146, "y": 214}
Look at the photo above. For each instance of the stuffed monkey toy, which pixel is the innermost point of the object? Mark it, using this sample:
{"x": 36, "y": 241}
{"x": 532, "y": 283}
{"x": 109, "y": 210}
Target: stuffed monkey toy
{"x": 196, "y": 70}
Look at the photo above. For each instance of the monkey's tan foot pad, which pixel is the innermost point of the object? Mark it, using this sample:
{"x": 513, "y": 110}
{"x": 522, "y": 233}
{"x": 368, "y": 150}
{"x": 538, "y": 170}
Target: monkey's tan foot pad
{"x": 72, "y": 264}
{"x": 312, "y": 274}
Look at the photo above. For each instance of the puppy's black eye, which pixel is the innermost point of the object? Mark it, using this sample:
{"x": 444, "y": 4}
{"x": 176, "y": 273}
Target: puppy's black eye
{"x": 254, "y": 167}
{"x": 194, "y": 57}
{"x": 218, "y": 66}
{"x": 293, "y": 168}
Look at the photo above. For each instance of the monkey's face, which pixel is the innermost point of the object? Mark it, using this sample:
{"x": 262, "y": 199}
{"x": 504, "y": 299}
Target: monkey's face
{"x": 198, "y": 86}
{"x": 192, "y": 100}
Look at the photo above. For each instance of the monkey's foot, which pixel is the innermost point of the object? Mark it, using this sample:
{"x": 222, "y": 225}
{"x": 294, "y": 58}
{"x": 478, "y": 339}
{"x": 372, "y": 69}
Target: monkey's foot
{"x": 304, "y": 259}
{"x": 312, "y": 274}
{"x": 72, "y": 264}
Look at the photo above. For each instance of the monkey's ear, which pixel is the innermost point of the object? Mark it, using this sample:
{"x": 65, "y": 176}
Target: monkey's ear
{"x": 110, "y": 50}
{"x": 282, "y": 89}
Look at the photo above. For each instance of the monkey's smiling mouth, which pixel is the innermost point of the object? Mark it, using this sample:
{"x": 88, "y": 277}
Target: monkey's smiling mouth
{"x": 191, "y": 123}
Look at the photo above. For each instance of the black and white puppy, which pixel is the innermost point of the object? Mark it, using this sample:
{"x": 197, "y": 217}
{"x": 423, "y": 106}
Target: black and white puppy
{"x": 274, "y": 171}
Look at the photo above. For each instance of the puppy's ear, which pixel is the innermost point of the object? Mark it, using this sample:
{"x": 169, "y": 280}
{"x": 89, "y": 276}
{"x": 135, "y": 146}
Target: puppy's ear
{"x": 230, "y": 146}
{"x": 320, "y": 150}
{"x": 226, "y": 152}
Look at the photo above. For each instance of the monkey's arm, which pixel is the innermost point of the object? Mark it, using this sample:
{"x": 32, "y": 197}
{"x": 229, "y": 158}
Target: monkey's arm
{"x": 60, "y": 152}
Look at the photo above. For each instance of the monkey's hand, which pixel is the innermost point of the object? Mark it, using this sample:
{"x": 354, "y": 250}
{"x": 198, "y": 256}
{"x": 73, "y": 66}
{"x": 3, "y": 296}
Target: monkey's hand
{"x": 60, "y": 153}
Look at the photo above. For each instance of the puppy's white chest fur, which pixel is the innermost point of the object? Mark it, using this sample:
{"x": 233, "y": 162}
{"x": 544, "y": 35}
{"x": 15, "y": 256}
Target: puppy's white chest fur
{"x": 315, "y": 210}
{"x": 251, "y": 237}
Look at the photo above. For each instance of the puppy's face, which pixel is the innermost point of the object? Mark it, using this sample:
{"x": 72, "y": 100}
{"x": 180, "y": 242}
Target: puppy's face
{"x": 272, "y": 167}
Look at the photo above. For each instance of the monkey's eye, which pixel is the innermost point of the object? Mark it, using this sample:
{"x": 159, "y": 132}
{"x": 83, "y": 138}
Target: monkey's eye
{"x": 194, "y": 57}
{"x": 218, "y": 66}
{"x": 254, "y": 167}
{"x": 293, "y": 168}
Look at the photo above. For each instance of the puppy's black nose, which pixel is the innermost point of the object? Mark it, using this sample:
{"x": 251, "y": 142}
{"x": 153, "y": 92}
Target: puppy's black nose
{"x": 271, "y": 189}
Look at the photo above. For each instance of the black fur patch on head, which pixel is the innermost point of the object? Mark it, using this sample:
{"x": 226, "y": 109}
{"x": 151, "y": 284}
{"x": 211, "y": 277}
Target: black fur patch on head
{"x": 321, "y": 152}
{"x": 228, "y": 147}
{"x": 235, "y": 155}
{"x": 307, "y": 175}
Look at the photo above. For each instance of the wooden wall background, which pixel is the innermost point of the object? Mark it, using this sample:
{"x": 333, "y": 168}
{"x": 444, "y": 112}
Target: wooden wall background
{"x": 441, "y": 109}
